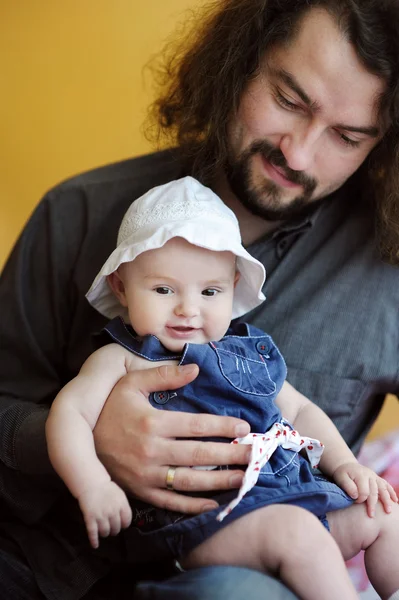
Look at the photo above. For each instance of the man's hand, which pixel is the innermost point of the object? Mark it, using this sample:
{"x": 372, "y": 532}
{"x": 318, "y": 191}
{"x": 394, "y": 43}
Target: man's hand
{"x": 137, "y": 443}
{"x": 363, "y": 485}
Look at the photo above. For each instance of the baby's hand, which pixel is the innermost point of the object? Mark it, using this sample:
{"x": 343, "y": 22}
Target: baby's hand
{"x": 363, "y": 485}
{"x": 105, "y": 511}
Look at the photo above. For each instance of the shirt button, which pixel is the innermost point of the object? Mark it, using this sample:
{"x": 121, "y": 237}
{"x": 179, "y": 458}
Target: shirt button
{"x": 263, "y": 348}
{"x": 161, "y": 397}
{"x": 281, "y": 248}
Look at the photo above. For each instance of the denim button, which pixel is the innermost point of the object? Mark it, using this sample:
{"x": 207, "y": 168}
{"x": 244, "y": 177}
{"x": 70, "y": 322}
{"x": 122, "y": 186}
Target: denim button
{"x": 263, "y": 348}
{"x": 161, "y": 397}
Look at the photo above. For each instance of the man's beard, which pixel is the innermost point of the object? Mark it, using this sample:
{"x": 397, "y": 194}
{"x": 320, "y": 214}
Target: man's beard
{"x": 266, "y": 201}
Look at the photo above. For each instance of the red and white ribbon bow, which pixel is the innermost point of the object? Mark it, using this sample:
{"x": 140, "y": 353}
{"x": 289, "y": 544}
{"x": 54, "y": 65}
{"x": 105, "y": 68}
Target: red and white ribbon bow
{"x": 263, "y": 446}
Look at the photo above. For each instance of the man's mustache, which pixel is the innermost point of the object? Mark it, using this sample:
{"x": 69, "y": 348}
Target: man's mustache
{"x": 276, "y": 158}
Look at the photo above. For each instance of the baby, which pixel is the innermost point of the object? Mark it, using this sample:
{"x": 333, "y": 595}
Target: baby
{"x": 178, "y": 276}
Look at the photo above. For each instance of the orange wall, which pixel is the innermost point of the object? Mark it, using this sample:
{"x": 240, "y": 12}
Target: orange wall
{"x": 73, "y": 95}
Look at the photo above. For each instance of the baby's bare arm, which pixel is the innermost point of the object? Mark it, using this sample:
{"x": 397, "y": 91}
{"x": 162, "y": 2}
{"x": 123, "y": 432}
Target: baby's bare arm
{"x": 337, "y": 460}
{"x": 74, "y": 414}
{"x": 311, "y": 421}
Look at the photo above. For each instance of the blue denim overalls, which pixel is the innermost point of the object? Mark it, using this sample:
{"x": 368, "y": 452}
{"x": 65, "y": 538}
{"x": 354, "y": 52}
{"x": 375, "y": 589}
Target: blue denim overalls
{"x": 239, "y": 376}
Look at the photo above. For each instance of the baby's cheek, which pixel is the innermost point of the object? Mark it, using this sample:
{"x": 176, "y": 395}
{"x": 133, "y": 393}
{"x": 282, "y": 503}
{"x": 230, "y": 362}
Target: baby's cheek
{"x": 217, "y": 328}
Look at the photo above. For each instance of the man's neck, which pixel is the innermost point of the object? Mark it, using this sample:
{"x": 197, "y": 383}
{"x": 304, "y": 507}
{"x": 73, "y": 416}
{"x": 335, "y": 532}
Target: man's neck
{"x": 252, "y": 228}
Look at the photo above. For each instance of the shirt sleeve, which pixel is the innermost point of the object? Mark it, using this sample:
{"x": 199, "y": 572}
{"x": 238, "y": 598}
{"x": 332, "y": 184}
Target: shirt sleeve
{"x": 34, "y": 315}
{"x": 46, "y": 323}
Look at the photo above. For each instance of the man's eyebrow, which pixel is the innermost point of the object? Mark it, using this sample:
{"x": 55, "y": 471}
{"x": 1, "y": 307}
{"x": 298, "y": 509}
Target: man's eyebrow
{"x": 370, "y": 131}
{"x": 292, "y": 83}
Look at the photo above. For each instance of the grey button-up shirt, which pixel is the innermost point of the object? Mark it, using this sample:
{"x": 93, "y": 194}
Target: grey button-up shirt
{"x": 332, "y": 308}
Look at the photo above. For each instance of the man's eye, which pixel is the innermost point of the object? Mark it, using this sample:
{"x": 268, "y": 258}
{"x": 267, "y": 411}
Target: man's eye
{"x": 209, "y": 292}
{"x": 282, "y": 100}
{"x": 163, "y": 290}
{"x": 349, "y": 141}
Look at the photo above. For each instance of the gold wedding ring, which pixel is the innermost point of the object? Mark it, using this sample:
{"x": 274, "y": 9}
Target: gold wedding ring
{"x": 170, "y": 476}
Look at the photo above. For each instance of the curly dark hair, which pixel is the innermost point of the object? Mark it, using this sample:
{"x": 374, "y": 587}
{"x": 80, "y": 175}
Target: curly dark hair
{"x": 202, "y": 79}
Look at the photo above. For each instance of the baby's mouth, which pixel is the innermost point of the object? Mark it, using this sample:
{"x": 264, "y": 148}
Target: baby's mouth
{"x": 181, "y": 331}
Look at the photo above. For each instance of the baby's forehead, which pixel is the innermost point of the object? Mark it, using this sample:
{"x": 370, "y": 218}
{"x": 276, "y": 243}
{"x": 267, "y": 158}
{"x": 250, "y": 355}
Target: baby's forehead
{"x": 178, "y": 250}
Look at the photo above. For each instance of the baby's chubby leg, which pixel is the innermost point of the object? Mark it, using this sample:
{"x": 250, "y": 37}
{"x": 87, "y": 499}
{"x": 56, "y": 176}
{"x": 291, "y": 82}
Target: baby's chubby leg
{"x": 286, "y": 541}
{"x": 354, "y": 530}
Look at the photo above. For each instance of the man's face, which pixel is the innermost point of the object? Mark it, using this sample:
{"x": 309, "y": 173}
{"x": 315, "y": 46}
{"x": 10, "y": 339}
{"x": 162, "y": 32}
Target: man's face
{"x": 305, "y": 123}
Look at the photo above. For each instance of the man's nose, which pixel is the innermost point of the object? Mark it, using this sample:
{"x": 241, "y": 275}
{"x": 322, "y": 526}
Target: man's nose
{"x": 300, "y": 147}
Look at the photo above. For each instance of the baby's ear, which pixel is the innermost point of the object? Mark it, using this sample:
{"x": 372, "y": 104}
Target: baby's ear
{"x": 237, "y": 278}
{"x": 117, "y": 286}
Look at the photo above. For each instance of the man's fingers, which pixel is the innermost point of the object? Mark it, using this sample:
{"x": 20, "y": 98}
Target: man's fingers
{"x": 190, "y": 453}
{"x": 181, "y": 424}
{"x": 191, "y": 480}
{"x": 179, "y": 503}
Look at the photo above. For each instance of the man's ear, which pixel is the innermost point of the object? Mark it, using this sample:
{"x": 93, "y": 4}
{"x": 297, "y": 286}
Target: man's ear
{"x": 237, "y": 278}
{"x": 118, "y": 287}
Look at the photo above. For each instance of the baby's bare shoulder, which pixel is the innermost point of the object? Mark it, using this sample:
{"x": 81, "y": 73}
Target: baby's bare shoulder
{"x": 137, "y": 363}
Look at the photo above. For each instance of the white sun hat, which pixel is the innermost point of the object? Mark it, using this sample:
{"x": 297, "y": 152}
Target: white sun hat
{"x": 182, "y": 208}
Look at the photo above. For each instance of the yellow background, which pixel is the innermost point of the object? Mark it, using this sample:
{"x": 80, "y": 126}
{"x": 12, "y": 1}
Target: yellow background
{"x": 73, "y": 96}
{"x": 72, "y": 91}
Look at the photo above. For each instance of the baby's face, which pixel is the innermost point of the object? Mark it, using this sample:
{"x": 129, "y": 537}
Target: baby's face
{"x": 181, "y": 293}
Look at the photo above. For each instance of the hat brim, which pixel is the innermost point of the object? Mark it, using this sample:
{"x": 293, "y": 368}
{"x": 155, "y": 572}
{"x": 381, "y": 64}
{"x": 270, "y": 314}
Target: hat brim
{"x": 248, "y": 291}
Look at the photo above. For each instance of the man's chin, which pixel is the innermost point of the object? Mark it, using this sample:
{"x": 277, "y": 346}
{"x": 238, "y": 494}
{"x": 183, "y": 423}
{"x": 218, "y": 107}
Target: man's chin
{"x": 274, "y": 205}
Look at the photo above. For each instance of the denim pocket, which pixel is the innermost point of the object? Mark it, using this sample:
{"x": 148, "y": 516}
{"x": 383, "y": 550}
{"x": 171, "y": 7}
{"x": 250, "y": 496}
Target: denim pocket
{"x": 245, "y": 373}
{"x": 281, "y": 470}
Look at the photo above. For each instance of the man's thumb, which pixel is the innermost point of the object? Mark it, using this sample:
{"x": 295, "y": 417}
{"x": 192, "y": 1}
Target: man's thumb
{"x": 168, "y": 377}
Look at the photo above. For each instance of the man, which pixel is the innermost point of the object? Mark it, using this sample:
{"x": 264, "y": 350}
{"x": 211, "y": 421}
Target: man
{"x": 289, "y": 111}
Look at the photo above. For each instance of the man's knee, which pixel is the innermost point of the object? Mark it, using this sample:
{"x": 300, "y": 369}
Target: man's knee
{"x": 215, "y": 583}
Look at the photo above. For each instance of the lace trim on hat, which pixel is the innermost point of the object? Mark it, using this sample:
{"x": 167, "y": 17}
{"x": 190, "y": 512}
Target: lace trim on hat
{"x": 173, "y": 211}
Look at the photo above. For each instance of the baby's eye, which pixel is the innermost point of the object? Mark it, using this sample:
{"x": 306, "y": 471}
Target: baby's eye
{"x": 209, "y": 292}
{"x": 163, "y": 290}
